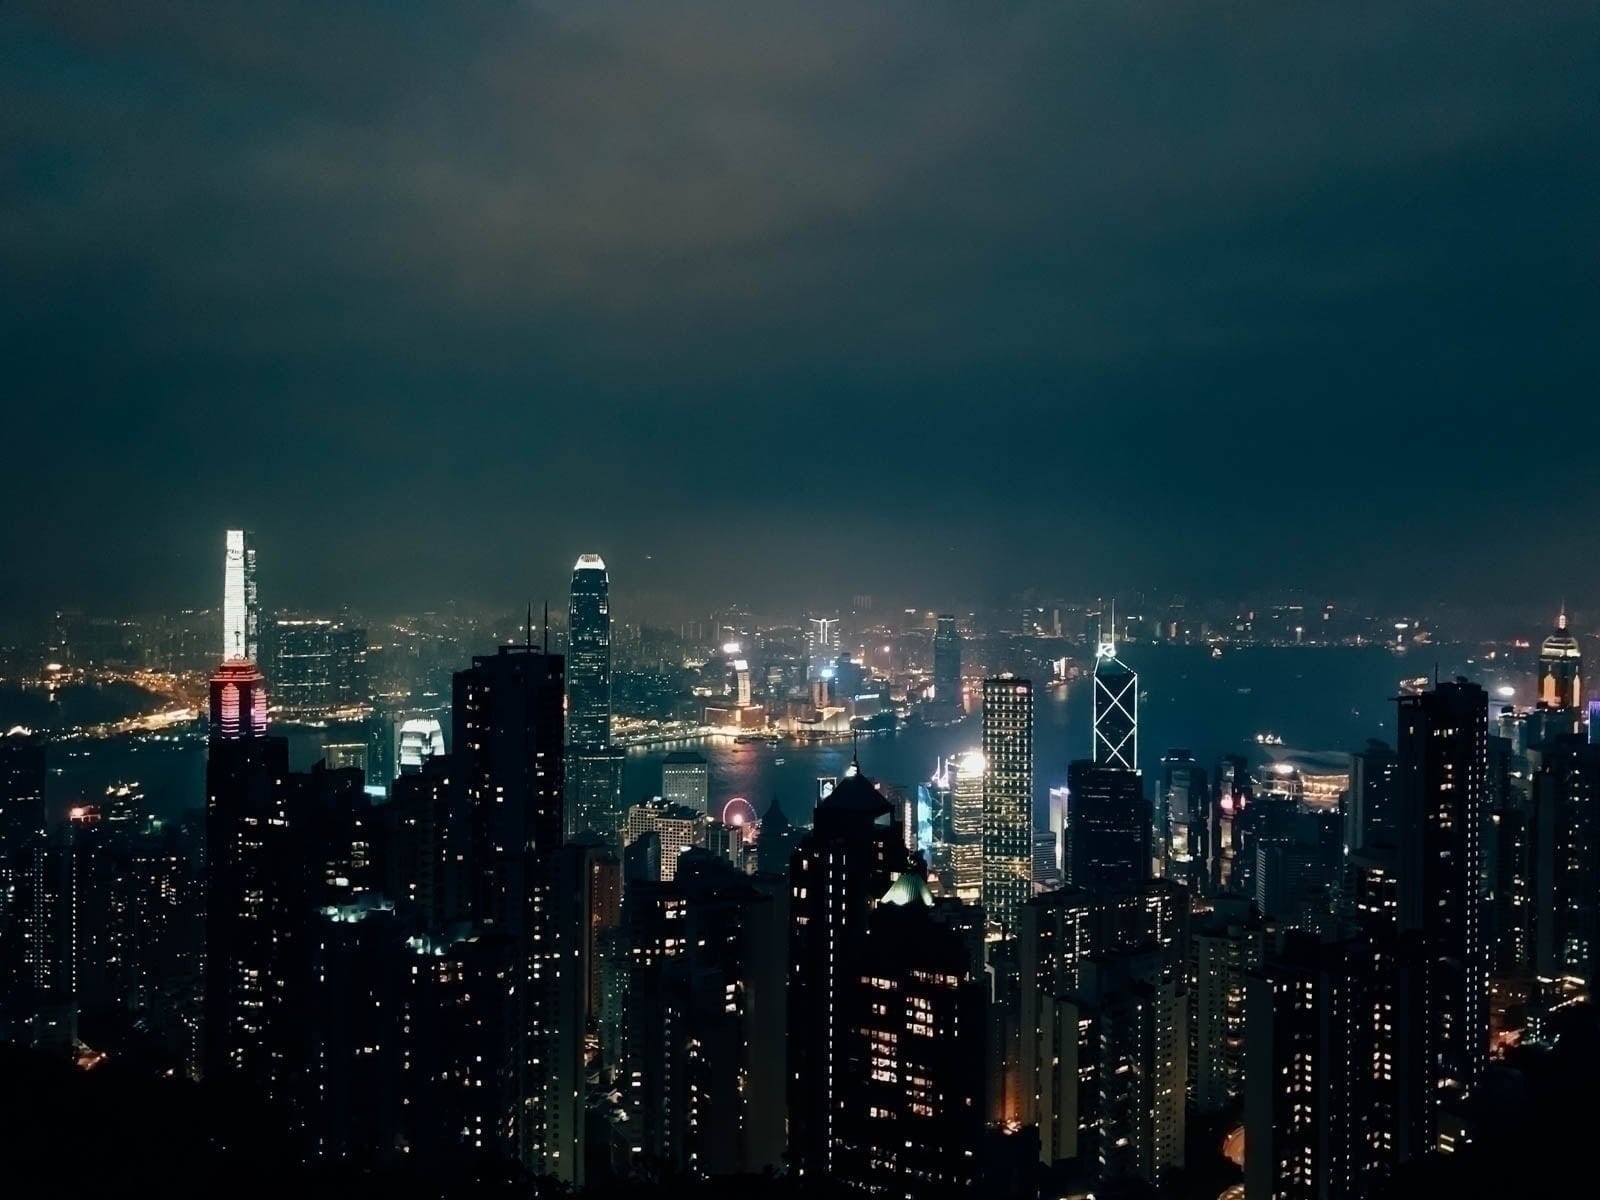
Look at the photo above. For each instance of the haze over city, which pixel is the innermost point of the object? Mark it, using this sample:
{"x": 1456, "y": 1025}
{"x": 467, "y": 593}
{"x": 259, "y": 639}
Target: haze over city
{"x": 798, "y": 301}
{"x": 884, "y": 601}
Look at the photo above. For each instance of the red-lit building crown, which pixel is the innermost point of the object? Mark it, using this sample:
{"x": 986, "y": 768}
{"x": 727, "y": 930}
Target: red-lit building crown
{"x": 238, "y": 701}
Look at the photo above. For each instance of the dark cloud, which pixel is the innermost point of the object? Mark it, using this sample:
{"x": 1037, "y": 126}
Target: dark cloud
{"x": 797, "y": 297}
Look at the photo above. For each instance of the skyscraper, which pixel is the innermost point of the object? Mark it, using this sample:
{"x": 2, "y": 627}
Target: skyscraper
{"x": 589, "y": 655}
{"x": 1104, "y": 1018}
{"x": 840, "y": 870}
{"x": 705, "y": 1062}
{"x": 24, "y": 901}
{"x": 822, "y": 645}
{"x": 1007, "y": 799}
{"x": 1561, "y": 669}
{"x": 507, "y": 743}
{"x": 1116, "y": 709}
{"x": 966, "y": 827}
{"x": 1443, "y": 762}
{"x": 1311, "y": 1054}
{"x": 913, "y": 1111}
{"x": 1108, "y": 827}
{"x": 241, "y": 611}
{"x": 947, "y": 663}
{"x": 1185, "y": 804}
{"x": 594, "y": 772}
{"x": 256, "y": 899}
{"x": 686, "y": 780}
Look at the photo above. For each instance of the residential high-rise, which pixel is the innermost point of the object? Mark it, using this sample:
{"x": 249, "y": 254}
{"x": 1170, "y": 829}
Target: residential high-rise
{"x": 947, "y": 662}
{"x": 507, "y": 746}
{"x": 1311, "y": 1062}
{"x": 1561, "y": 669}
{"x": 704, "y": 1077}
{"x": 1565, "y": 865}
{"x": 1104, "y": 1015}
{"x": 1116, "y": 709}
{"x": 686, "y": 780}
{"x": 589, "y": 655}
{"x": 1225, "y": 944}
{"x": 25, "y": 927}
{"x": 241, "y": 610}
{"x": 1007, "y": 800}
{"x": 842, "y": 867}
{"x": 676, "y": 826}
{"x": 1443, "y": 756}
{"x": 912, "y": 1112}
{"x": 1108, "y": 827}
{"x": 1371, "y": 817}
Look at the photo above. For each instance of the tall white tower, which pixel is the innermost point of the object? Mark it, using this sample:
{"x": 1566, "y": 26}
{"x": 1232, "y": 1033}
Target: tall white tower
{"x": 241, "y": 614}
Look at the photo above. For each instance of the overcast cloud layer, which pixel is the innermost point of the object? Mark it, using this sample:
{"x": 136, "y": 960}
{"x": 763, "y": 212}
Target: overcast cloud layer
{"x": 798, "y": 299}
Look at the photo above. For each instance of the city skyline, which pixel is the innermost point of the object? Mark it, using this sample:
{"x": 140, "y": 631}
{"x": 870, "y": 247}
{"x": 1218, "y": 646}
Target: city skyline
{"x": 799, "y": 601}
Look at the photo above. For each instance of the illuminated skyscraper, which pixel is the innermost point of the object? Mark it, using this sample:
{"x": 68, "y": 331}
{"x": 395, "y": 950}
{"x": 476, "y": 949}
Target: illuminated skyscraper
{"x": 686, "y": 780}
{"x": 1443, "y": 764}
{"x": 1007, "y": 799}
{"x": 1116, "y": 709}
{"x": 1561, "y": 669}
{"x": 822, "y": 644}
{"x": 589, "y": 655}
{"x": 966, "y": 827}
{"x": 241, "y": 611}
{"x": 594, "y": 771}
{"x": 947, "y": 663}
{"x": 1184, "y": 804}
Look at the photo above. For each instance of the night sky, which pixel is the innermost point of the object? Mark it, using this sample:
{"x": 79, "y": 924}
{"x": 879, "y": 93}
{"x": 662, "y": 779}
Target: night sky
{"x": 798, "y": 301}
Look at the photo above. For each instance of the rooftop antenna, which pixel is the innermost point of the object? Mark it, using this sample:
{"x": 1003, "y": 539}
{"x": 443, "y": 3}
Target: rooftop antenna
{"x": 529, "y": 642}
{"x": 547, "y": 627}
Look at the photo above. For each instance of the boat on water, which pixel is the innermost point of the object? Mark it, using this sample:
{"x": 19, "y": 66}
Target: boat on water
{"x": 746, "y": 739}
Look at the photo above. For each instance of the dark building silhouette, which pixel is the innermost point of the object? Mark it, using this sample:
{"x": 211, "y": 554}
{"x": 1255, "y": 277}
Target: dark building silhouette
{"x": 1310, "y": 1063}
{"x": 507, "y": 742}
{"x": 1104, "y": 1020}
{"x": 1565, "y": 867}
{"x": 1443, "y": 754}
{"x": 913, "y": 1114}
{"x": 26, "y": 943}
{"x": 706, "y": 1020}
{"x": 841, "y": 868}
{"x": 1108, "y": 827}
{"x": 947, "y": 663}
{"x": 257, "y": 899}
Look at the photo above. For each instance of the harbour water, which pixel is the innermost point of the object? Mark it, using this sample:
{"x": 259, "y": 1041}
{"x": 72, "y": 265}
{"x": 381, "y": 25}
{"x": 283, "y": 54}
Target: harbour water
{"x": 1314, "y": 698}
